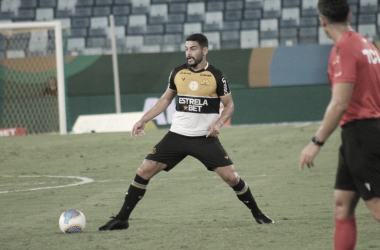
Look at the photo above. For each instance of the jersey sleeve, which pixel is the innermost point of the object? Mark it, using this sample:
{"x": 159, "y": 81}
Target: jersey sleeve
{"x": 222, "y": 88}
{"x": 342, "y": 66}
{"x": 171, "y": 84}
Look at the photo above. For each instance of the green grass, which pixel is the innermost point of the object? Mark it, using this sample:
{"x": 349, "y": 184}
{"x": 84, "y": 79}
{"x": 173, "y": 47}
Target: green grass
{"x": 187, "y": 208}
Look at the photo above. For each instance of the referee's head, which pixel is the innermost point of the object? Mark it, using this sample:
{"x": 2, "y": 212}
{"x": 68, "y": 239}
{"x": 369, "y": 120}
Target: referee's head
{"x": 334, "y": 11}
{"x": 200, "y": 38}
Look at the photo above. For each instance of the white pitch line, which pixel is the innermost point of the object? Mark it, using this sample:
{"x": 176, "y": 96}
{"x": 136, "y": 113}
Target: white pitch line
{"x": 85, "y": 180}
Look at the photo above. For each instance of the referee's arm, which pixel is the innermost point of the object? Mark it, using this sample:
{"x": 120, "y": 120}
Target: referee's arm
{"x": 341, "y": 96}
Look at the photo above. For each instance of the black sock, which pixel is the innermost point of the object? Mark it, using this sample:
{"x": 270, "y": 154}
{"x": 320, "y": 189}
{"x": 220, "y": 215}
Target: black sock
{"x": 244, "y": 194}
{"x": 135, "y": 193}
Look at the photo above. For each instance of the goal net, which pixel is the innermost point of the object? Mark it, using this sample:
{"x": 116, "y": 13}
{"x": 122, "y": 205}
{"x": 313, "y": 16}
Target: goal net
{"x": 32, "y": 84}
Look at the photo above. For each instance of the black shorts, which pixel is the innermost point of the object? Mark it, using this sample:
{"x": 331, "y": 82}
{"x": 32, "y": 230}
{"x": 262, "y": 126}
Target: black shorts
{"x": 173, "y": 148}
{"x": 359, "y": 158}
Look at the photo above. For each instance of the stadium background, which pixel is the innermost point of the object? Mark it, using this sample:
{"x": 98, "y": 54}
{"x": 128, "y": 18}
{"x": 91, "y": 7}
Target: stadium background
{"x": 273, "y": 52}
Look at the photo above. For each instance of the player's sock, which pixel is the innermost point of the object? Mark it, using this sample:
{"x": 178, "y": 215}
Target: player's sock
{"x": 135, "y": 193}
{"x": 244, "y": 194}
{"x": 345, "y": 234}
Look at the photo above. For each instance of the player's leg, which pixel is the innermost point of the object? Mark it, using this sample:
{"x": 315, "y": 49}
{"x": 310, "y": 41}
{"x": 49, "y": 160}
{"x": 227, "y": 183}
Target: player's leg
{"x": 135, "y": 193}
{"x": 345, "y": 235}
{"x": 243, "y": 192}
{"x": 374, "y": 206}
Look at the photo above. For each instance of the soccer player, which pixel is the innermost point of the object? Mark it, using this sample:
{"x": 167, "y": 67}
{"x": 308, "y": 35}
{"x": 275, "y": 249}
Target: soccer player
{"x": 194, "y": 131}
{"x": 354, "y": 72}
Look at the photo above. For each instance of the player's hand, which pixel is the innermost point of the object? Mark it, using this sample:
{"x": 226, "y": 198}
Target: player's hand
{"x": 308, "y": 154}
{"x": 138, "y": 129}
{"x": 214, "y": 130}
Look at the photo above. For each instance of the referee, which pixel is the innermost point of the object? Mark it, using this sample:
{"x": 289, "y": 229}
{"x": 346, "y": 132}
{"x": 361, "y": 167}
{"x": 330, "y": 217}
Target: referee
{"x": 196, "y": 124}
{"x": 354, "y": 72}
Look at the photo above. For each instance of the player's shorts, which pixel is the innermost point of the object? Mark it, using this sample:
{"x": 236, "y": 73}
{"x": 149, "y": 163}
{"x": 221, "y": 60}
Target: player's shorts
{"x": 173, "y": 148}
{"x": 359, "y": 158}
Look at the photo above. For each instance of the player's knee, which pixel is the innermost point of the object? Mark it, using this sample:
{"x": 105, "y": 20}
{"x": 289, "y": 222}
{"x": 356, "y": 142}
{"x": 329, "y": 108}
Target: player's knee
{"x": 342, "y": 210}
{"x": 149, "y": 168}
{"x": 231, "y": 180}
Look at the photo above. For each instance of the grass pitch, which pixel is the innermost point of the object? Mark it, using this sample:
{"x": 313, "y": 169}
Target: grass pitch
{"x": 187, "y": 208}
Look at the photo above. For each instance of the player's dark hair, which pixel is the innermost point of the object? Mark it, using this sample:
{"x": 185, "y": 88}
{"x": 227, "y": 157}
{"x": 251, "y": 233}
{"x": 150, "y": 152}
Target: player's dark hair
{"x": 335, "y": 11}
{"x": 200, "y": 38}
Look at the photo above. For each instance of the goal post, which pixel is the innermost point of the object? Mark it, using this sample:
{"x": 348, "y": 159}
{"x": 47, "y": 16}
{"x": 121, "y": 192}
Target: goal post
{"x": 8, "y": 29}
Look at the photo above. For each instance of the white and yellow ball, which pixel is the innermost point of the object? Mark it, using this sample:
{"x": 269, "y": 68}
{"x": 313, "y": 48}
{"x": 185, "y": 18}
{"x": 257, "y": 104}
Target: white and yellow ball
{"x": 72, "y": 221}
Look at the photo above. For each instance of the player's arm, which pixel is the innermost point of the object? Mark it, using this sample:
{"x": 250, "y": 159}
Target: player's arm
{"x": 228, "y": 110}
{"x": 341, "y": 96}
{"x": 160, "y": 106}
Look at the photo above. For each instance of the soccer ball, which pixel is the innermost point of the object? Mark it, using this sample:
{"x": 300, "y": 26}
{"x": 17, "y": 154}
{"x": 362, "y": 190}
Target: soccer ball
{"x": 72, "y": 221}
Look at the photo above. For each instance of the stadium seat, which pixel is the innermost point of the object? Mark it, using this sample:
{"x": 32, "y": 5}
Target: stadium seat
{"x": 309, "y": 8}
{"x": 66, "y": 4}
{"x": 99, "y": 22}
{"x": 10, "y": 5}
{"x": 289, "y": 23}
{"x": 97, "y": 33}
{"x": 96, "y": 42}
{"x": 7, "y": 15}
{"x": 367, "y": 30}
{"x": 192, "y": 28}
{"x": 136, "y": 30}
{"x": 252, "y": 14}
{"x": 121, "y": 20}
{"x": 291, "y": 3}
{"x": 176, "y": 18}
{"x": 104, "y": 2}
{"x": 208, "y": 27}
{"x": 323, "y": 38}
{"x": 268, "y": 25}
{"x": 231, "y": 25}
{"x": 368, "y": 6}
{"x": 214, "y": 18}
{"x": 272, "y": 5}
{"x": 309, "y": 22}
{"x": 288, "y": 41}
{"x": 75, "y": 44}
{"x": 78, "y": 32}
{"x": 137, "y": 20}
{"x": 83, "y": 12}
{"x": 38, "y": 41}
{"x": 155, "y": 29}
{"x": 168, "y": 48}
{"x": 153, "y": 40}
{"x": 253, "y": 4}
{"x": 28, "y": 4}
{"x": 291, "y": 13}
{"x": 121, "y": 10}
{"x": 249, "y": 39}
{"x": 367, "y": 18}
{"x": 26, "y": 15}
{"x": 47, "y": 3}
{"x": 250, "y": 24}
{"x": 215, "y": 6}
{"x": 288, "y": 32}
{"x": 44, "y": 14}
{"x": 213, "y": 39}
{"x": 308, "y": 35}
{"x": 134, "y": 41}
{"x": 80, "y": 22}
{"x": 178, "y": 8}
{"x": 65, "y": 22}
{"x": 15, "y": 53}
{"x": 196, "y": 8}
{"x": 101, "y": 11}
{"x": 172, "y": 39}
{"x": 85, "y": 3}
{"x": 161, "y": 1}
{"x": 234, "y": 5}
{"x": 235, "y": 15}
{"x": 140, "y": 6}
{"x": 119, "y": 32}
{"x": 122, "y": 2}
{"x": 63, "y": 13}
{"x": 158, "y": 13}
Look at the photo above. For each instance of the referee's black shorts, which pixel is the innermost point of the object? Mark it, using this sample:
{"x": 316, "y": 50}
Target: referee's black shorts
{"x": 173, "y": 148}
{"x": 359, "y": 158}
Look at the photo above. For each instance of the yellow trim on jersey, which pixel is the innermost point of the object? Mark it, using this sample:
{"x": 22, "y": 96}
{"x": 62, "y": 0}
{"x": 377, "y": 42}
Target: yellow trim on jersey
{"x": 225, "y": 95}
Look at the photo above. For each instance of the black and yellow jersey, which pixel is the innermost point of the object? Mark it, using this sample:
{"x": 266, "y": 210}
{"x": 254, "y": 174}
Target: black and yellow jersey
{"x": 198, "y": 99}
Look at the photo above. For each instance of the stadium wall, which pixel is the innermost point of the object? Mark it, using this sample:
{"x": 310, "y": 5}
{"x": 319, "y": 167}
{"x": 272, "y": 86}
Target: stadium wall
{"x": 269, "y": 85}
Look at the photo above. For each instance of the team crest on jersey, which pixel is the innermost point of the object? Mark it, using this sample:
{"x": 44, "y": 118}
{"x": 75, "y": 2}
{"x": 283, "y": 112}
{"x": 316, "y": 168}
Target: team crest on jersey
{"x": 205, "y": 82}
{"x": 193, "y": 85}
{"x": 153, "y": 151}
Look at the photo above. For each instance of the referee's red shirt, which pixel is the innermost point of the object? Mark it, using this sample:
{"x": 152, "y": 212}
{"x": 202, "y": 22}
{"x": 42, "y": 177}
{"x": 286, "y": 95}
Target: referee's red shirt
{"x": 355, "y": 59}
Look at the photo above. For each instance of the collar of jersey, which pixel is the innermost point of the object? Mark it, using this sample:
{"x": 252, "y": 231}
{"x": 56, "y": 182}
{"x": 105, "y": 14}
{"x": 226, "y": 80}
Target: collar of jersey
{"x": 199, "y": 71}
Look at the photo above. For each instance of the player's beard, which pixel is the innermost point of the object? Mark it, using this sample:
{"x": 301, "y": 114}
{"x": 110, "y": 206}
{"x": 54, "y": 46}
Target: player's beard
{"x": 196, "y": 62}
